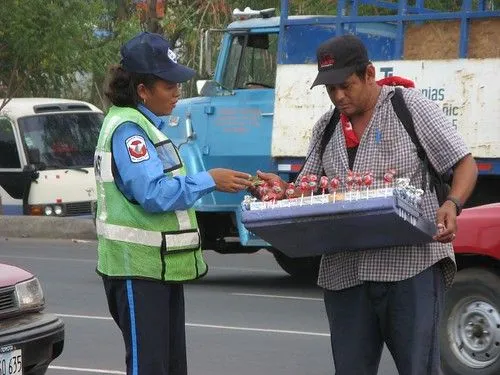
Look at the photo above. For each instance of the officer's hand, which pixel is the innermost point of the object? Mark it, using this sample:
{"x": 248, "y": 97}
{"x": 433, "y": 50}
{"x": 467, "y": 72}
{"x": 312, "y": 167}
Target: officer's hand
{"x": 446, "y": 220}
{"x": 271, "y": 179}
{"x": 230, "y": 181}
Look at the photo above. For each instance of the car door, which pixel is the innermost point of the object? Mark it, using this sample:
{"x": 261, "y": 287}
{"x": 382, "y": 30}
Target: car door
{"x": 13, "y": 176}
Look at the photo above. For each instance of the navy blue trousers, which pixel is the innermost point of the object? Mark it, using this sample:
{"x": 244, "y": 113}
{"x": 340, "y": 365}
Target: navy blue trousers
{"x": 151, "y": 318}
{"x": 403, "y": 314}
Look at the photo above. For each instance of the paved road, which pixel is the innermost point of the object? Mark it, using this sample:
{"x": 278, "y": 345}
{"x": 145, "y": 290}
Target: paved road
{"x": 245, "y": 318}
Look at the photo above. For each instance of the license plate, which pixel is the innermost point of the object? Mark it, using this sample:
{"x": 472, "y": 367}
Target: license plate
{"x": 11, "y": 363}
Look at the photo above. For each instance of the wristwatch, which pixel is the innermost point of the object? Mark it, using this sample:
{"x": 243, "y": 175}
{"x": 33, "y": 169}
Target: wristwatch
{"x": 457, "y": 203}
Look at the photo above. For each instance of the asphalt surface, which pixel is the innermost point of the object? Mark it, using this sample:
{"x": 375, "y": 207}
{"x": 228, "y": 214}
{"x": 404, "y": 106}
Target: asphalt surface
{"x": 246, "y": 317}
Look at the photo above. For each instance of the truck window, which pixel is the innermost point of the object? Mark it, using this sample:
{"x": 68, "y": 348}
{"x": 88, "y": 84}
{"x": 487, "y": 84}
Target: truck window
{"x": 251, "y": 62}
{"x": 63, "y": 139}
{"x": 9, "y": 156}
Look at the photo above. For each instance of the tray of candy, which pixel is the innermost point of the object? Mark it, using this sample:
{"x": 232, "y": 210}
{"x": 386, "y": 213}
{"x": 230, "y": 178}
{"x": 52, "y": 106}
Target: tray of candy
{"x": 348, "y": 225}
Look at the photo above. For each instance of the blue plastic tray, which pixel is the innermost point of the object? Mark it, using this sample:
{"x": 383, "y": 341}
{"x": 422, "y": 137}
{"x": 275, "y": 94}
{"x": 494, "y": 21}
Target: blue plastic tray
{"x": 343, "y": 226}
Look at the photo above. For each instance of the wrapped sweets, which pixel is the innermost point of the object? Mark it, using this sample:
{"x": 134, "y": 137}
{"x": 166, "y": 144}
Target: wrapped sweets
{"x": 323, "y": 184}
{"x": 349, "y": 181}
{"x": 368, "y": 181}
{"x": 334, "y": 185}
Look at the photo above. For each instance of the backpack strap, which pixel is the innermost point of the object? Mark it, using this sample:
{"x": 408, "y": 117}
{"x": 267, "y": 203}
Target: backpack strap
{"x": 327, "y": 134}
{"x": 404, "y": 115}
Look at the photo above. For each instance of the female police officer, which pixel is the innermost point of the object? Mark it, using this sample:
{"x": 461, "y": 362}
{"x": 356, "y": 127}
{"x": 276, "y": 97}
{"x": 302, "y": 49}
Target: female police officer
{"x": 148, "y": 236}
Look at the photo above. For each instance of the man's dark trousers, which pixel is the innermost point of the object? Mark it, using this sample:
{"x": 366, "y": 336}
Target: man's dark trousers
{"x": 403, "y": 314}
{"x": 151, "y": 317}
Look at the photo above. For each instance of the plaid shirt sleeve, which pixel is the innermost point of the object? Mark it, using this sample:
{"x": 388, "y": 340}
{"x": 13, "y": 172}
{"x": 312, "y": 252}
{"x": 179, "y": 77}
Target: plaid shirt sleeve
{"x": 313, "y": 164}
{"x": 442, "y": 143}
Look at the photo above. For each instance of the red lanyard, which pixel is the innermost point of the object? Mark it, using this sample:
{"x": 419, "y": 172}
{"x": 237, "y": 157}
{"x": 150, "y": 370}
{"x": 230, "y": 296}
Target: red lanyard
{"x": 351, "y": 139}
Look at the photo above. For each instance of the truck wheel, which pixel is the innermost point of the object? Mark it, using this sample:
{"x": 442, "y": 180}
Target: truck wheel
{"x": 470, "y": 328}
{"x": 305, "y": 269}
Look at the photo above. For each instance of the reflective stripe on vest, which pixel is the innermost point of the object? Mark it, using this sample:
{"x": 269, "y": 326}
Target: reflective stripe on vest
{"x": 173, "y": 241}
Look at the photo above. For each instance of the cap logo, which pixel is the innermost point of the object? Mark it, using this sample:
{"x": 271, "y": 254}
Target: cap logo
{"x": 326, "y": 61}
{"x": 172, "y": 56}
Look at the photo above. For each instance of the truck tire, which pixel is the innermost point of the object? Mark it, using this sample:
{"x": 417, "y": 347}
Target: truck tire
{"x": 304, "y": 269}
{"x": 470, "y": 327}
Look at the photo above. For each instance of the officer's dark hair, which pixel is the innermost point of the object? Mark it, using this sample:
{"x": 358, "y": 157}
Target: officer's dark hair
{"x": 121, "y": 86}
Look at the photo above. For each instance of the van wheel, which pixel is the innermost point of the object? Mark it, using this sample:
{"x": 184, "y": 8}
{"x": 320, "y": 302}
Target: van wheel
{"x": 470, "y": 328}
{"x": 305, "y": 269}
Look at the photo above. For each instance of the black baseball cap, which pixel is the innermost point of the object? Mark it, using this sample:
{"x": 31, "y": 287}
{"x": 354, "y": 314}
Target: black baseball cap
{"x": 338, "y": 58}
{"x": 151, "y": 53}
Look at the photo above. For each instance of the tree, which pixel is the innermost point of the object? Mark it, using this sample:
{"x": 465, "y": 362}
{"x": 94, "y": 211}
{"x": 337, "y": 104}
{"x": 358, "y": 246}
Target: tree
{"x": 49, "y": 47}
{"x": 185, "y": 19}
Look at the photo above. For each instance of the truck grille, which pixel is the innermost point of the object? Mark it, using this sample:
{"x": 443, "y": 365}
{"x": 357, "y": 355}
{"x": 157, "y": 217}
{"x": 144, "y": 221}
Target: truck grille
{"x": 7, "y": 300}
{"x": 78, "y": 208}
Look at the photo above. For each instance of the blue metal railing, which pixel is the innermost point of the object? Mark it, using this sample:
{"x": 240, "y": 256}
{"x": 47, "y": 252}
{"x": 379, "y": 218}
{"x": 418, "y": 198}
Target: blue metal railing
{"x": 348, "y": 14}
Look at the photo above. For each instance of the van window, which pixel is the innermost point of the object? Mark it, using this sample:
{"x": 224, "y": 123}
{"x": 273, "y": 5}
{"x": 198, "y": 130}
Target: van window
{"x": 9, "y": 156}
{"x": 62, "y": 139}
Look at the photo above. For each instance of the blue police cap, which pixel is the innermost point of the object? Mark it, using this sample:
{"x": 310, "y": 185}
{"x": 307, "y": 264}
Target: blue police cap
{"x": 151, "y": 53}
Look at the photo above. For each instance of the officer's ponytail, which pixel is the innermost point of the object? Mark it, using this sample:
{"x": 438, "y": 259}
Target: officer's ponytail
{"x": 121, "y": 86}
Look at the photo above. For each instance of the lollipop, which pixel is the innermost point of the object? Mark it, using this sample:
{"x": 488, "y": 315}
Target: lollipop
{"x": 313, "y": 180}
{"x": 334, "y": 184}
{"x": 270, "y": 197}
{"x": 323, "y": 184}
{"x": 263, "y": 191}
{"x": 349, "y": 181}
{"x": 276, "y": 189}
{"x": 290, "y": 191}
{"x": 389, "y": 179}
{"x": 358, "y": 180}
{"x": 313, "y": 184}
{"x": 368, "y": 181}
{"x": 304, "y": 187}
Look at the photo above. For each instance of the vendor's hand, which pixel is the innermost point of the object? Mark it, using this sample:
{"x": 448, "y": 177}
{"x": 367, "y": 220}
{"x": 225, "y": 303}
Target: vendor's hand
{"x": 270, "y": 179}
{"x": 230, "y": 181}
{"x": 446, "y": 220}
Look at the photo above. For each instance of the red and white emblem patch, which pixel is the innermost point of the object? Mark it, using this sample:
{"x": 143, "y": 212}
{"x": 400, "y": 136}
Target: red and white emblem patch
{"x": 137, "y": 150}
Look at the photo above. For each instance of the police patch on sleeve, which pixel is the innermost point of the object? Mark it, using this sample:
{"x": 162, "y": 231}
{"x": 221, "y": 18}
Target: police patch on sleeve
{"x": 137, "y": 150}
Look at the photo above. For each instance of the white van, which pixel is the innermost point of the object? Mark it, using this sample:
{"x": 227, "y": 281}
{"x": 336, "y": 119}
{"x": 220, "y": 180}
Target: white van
{"x": 46, "y": 156}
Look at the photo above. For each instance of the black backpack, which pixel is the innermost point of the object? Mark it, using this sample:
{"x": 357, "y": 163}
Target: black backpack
{"x": 438, "y": 182}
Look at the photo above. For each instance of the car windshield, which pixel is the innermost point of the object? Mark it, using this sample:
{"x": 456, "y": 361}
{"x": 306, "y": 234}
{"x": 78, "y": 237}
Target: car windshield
{"x": 61, "y": 140}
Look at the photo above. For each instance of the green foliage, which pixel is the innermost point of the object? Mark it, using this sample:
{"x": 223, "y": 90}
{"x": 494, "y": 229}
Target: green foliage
{"x": 50, "y": 48}
{"x": 44, "y": 44}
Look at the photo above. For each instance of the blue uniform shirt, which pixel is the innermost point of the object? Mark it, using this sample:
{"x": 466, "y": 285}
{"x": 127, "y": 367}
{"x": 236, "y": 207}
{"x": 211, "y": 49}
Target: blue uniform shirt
{"x": 142, "y": 179}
